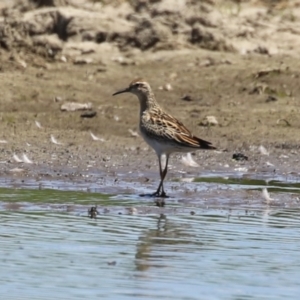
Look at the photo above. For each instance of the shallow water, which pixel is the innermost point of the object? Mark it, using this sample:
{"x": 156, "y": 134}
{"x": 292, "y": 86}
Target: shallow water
{"x": 50, "y": 249}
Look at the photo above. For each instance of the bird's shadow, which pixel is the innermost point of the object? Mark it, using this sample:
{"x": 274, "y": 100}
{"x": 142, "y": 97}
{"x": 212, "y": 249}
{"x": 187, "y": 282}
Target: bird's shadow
{"x": 154, "y": 196}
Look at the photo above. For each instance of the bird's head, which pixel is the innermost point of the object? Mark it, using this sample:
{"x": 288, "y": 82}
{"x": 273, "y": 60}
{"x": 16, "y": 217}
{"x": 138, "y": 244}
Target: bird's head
{"x": 138, "y": 87}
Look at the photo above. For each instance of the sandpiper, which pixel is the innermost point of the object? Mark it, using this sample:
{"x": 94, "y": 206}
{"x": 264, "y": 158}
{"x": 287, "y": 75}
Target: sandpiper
{"x": 161, "y": 131}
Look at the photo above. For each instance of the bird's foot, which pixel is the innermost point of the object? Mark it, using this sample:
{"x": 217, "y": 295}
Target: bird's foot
{"x": 157, "y": 194}
{"x": 160, "y": 202}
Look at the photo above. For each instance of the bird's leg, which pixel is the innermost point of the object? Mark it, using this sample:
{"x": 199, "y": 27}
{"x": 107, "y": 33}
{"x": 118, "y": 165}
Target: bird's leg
{"x": 164, "y": 173}
{"x": 156, "y": 194}
{"x": 160, "y": 190}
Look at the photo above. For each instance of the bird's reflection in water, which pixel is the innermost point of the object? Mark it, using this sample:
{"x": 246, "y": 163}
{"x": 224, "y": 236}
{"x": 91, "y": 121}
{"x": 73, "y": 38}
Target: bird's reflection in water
{"x": 156, "y": 246}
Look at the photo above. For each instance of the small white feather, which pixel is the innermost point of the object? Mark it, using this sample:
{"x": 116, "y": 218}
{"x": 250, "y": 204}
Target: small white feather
{"x": 38, "y": 124}
{"x": 54, "y": 141}
{"x": 266, "y": 195}
{"x": 188, "y": 161}
{"x": 3, "y": 142}
{"x": 16, "y": 170}
{"x": 17, "y": 159}
{"x": 187, "y": 179}
{"x": 133, "y": 133}
{"x": 263, "y": 150}
{"x": 95, "y": 138}
{"x": 241, "y": 169}
{"x": 26, "y": 160}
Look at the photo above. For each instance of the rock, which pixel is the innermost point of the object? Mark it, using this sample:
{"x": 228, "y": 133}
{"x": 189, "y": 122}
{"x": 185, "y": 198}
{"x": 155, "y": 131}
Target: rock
{"x": 123, "y": 61}
{"x": 266, "y": 72}
{"x": 186, "y": 98}
{"x": 98, "y": 26}
{"x": 167, "y": 7}
{"x": 83, "y": 47}
{"x": 166, "y": 87}
{"x": 207, "y": 62}
{"x": 208, "y": 40}
{"x": 93, "y": 212}
{"x": 271, "y": 98}
{"x": 209, "y": 121}
{"x": 57, "y": 99}
{"x": 76, "y": 24}
{"x": 50, "y": 42}
{"x": 43, "y": 21}
{"x": 74, "y": 106}
{"x": 239, "y": 156}
{"x": 89, "y": 114}
{"x": 97, "y": 52}
{"x": 82, "y": 60}
{"x": 262, "y": 50}
{"x": 147, "y": 34}
{"x": 63, "y": 59}
{"x": 41, "y": 3}
{"x": 146, "y": 24}
{"x": 102, "y": 69}
{"x": 22, "y": 63}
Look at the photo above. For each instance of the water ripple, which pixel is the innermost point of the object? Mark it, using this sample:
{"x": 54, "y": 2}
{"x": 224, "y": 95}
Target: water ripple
{"x": 214, "y": 254}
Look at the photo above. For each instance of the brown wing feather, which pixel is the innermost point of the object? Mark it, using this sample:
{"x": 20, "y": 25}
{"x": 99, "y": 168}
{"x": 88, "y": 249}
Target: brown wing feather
{"x": 175, "y": 130}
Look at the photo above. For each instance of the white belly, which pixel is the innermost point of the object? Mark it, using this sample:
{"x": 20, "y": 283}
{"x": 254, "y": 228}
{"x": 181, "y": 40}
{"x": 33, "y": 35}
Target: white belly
{"x": 161, "y": 147}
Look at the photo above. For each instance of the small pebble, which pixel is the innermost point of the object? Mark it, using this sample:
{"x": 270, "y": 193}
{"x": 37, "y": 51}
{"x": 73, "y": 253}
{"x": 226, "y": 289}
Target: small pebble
{"x": 239, "y": 156}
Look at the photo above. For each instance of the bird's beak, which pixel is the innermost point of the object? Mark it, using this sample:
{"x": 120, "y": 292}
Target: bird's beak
{"x": 126, "y": 90}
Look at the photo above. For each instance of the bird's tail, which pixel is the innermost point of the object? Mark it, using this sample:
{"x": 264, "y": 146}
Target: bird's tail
{"x": 205, "y": 144}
